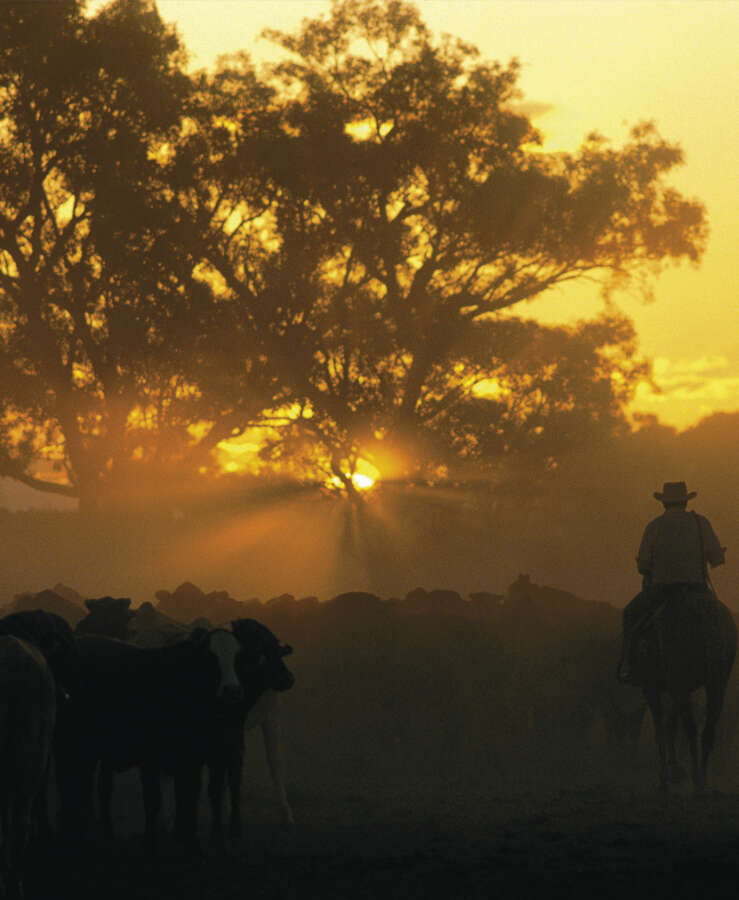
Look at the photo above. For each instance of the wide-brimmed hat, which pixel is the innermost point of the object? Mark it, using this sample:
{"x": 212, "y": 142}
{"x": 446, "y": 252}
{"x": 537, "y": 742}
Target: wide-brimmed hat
{"x": 674, "y": 492}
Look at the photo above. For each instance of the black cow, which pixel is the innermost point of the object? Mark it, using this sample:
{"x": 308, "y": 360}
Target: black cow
{"x": 27, "y": 713}
{"x": 149, "y": 708}
{"x": 263, "y": 675}
{"x": 53, "y": 637}
{"x": 164, "y": 710}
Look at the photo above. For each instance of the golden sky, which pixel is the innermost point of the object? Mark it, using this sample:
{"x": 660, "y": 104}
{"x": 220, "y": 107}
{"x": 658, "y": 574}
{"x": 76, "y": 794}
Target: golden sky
{"x": 595, "y": 65}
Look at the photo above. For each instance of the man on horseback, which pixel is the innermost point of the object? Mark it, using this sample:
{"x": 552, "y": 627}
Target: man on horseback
{"x": 673, "y": 556}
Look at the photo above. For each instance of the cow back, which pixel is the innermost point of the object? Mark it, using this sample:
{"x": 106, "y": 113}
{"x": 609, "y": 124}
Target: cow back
{"x": 27, "y": 714}
{"x": 132, "y": 704}
{"x": 48, "y": 632}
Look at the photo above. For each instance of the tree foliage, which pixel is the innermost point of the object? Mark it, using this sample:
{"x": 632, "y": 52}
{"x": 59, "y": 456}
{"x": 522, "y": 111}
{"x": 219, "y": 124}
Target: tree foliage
{"x": 412, "y": 207}
{"x": 86, "y": 269}
{"x": 332, "y": 248}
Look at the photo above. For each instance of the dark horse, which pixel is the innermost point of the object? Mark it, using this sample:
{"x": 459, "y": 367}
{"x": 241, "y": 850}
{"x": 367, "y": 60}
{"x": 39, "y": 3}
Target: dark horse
{"x": 689, "y": 642}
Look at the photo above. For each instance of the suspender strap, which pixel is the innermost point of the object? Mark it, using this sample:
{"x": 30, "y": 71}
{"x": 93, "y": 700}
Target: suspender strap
{"x": 704, "y": 563}
{"x": 700, "y": 544}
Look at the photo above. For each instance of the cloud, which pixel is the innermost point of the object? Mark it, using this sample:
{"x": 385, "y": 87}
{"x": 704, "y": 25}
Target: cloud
{"x": 703, "y": 377}
{"x": 703, "y": 365}
{"x": 534, "y": 109}
{"x": 689, "y": 389}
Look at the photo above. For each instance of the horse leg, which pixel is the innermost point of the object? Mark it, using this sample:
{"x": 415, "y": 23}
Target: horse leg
{"x": 714, "y": 702}
{"x": 675, "y": 772}
{"x": 655, "y": 707}
{"x": 691, "y": 732}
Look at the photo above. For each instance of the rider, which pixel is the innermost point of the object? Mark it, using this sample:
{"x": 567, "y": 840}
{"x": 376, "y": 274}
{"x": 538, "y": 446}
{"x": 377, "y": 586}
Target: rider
{"x": 672, "y": 559}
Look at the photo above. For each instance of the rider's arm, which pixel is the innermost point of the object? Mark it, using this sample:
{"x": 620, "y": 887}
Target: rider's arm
{"x": 645, "y": 554}
{"x": 715, "y": 553}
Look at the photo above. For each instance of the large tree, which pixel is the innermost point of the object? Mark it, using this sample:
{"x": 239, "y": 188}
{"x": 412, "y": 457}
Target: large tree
{"x": 102, "y": 318}
{"x": 411, "y": 207}
{"x": 84, "y": 271}
{"x": 331, "y": 249}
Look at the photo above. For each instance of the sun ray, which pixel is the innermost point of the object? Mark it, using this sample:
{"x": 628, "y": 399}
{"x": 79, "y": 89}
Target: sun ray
{"x": 305, "y": 552}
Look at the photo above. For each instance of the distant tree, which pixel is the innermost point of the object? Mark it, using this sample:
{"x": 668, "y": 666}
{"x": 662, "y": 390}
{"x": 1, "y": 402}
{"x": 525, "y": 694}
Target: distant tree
{"x": 410, "y": 208}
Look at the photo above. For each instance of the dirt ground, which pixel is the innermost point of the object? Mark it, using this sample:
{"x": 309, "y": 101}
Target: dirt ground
{"x": 430, "y": 839}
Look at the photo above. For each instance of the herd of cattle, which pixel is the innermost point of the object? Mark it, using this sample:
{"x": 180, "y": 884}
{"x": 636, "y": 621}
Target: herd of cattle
{"x": 168, "y": 699}
{"x": 489, "y": 684}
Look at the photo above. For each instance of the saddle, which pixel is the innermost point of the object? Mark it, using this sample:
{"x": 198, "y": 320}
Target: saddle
{"x": 643, "y": 613}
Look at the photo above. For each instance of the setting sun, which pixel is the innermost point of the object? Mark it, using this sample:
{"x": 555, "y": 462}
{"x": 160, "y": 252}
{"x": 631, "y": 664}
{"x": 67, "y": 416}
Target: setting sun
{"x": 364, "y": 477}
{"x": 362, "y": 482}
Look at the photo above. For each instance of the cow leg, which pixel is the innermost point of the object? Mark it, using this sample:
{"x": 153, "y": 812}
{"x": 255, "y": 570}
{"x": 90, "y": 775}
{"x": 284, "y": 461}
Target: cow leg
{"x": 151, "y": 787}
{"x": 235, "y": 770}
{"x": 19, "y": 807}
{"x": 105, "y": 798}
{"x": 75, "y": 779}
{"x": 12, "y": 881}
{"x": 6, "y": 798}
{"x": 187, "y": 792}
{"x": 6, "y": 851}
{"x": 273, "y": 747}
{"x": 40, "y": 813}
{"x": 69, "y": 821}
{"x": 226, "y": 762}
{"x": 78, "y": 797}
{"x": 20, "y": 829}
{"x": 216, "y": 773}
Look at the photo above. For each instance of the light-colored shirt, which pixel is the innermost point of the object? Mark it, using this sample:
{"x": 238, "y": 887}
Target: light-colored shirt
{"x": 674, "y": 550}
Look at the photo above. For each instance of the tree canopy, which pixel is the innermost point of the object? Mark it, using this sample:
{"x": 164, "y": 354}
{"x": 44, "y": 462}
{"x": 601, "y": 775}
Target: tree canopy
{"x": 88, "y": 287}
{"x": 331, "y": 248}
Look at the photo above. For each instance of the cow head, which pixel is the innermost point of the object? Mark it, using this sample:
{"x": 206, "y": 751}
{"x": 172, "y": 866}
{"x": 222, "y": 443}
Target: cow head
{"x": 224, "y": 646}
{"x": 107, "y": 616}
{"x": 260, "y": 663}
